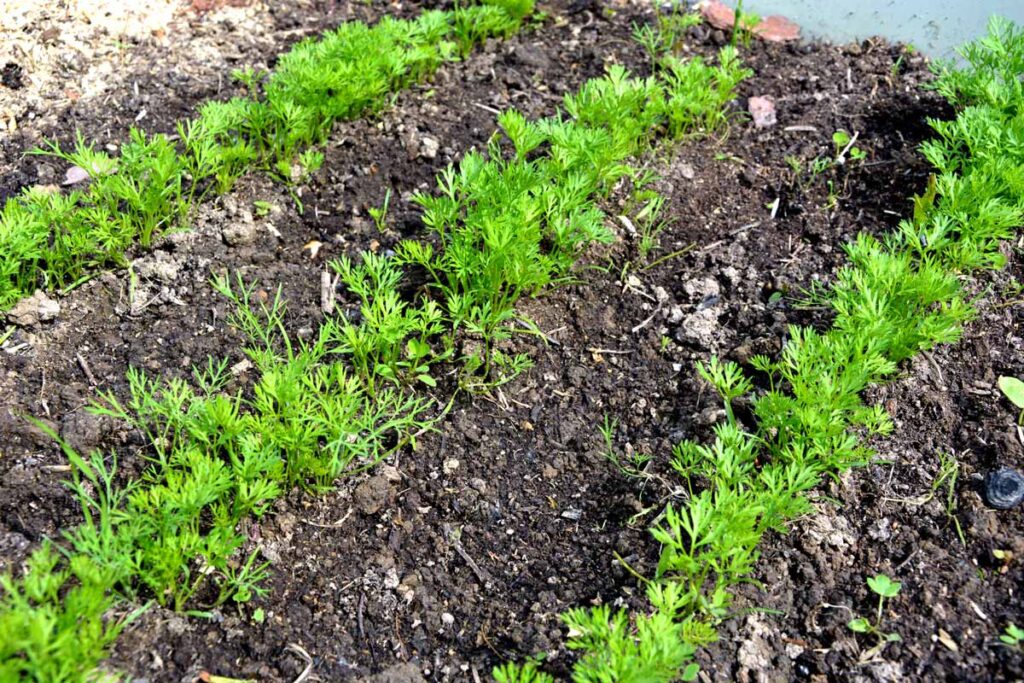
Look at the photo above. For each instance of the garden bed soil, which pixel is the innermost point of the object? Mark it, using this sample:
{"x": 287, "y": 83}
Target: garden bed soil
{"x": 461, "y": 553}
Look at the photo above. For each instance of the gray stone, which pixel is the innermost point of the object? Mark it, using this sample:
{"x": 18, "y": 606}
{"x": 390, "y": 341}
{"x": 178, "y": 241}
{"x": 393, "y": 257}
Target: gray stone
{"x": 34, "y": 309}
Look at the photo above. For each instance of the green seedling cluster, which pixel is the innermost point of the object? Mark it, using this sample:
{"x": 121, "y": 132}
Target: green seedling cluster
{"x": 514, "y": 220}
{"x": 506, "y": 224}
{"x": 52, "y": 239}
{"x": 898, "y": 296}
{"x": 1013, "y": 637}
{"x": 681, "y": 98}
{"x": 216, "y": 457}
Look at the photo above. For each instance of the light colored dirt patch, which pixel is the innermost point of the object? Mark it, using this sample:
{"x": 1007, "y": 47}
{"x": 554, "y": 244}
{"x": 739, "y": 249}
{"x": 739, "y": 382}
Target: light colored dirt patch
{"x": 55, "y": 53}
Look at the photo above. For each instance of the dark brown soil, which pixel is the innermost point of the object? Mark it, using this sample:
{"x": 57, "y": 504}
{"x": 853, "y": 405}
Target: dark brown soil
{"x": 462, "y": 553}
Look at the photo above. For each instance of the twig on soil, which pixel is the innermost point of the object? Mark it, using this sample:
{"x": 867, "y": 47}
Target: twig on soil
{"x": 327, "y": 286}
{"x": 483, "y": 106}
{"x": 907, "y": 559}
{"x": 453, "y": 540}
{"x": 611, "y": 352}
{"x": 335, "y": 525}
{"x": 938, "y": 371}
{"x": 746, "y": 227}
{"x": 85, "y": 369}
{"x": 679, "y": 252}
{"x": 645, "y": 323}
{"x": 301, "y": 651}
{"x": 801, "y": 129}
{"x": 841, "y": 158}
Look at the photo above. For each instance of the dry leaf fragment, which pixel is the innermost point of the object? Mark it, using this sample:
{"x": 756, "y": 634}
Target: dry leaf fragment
{"x": 314, "y": 247}
{"x": 948, "y": 641}
{"x": 75, "y": 175}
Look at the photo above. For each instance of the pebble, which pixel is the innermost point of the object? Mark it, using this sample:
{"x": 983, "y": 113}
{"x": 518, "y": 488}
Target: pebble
{"x": 429, "y": 147}
{"x": 762, "y": 111}
{"x": 372, "y": 495}
{"x": 34, "y": 309}
{"x": 237, "y": 233}
{"x": 1004, "y": 488}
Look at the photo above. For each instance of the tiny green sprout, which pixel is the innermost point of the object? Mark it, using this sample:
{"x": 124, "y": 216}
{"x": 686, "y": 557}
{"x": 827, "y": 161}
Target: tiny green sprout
{"x": 1013, "y": 637}
{"x": 844, "y": 144}
{"x": 724, "y": 156}
{"x": 380, "y": 215}
{"x": 258, "y": 615}
{"x": 884, "y": 586}
{"x": 311, "y": 160}
{"x": 262, "y": 208}
{"x": 886, "y": 589}
{"x": 665, "y": 343}
{"x": 1013, "y": 389}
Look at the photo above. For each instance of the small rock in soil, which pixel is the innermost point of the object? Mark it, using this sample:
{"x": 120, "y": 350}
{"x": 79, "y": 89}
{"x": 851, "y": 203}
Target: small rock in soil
{"x": 160, "y": 266}
{"x": 372, "y": 495}
{"x": 776, "y": 29}
{"x": 241, "y": 232}
{"x": 762, "y": 111}
{"x": 33, "y": 310}
{"x": 75, "y": 175}
{"x": 700, "y": 328}
{"x": 702, "y": 288}
{"x": 532, "y": 56}
{"x": 406, "y": 672}
{"x": 1004, "y": 488}
{"x": 429, "y": 147}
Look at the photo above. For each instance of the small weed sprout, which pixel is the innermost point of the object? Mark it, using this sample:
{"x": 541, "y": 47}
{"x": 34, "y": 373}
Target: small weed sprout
{"x": 845, "y": 145}
{"x": 886, "y": 589}
{"x": 380, "y": 214}
{"x": 1013, "y": 389}
{"x": 1013, "y": 637}
{"x": 743, "y": 26}
{"x": 630, "y": 464}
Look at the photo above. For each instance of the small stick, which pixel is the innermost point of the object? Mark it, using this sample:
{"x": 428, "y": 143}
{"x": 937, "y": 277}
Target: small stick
{"x": 301, "y": 651}
{"x": 85, "y": 369}
{"x": 330, "y": 526}
{"x": 746, "y": 227}
{"x": 453, "y": 539}
{"x": 801, "y": 129}
{"x": 647, "y": 322}
{"x": 326, "y": 293}
{"x": 611, "y": 352}
{"x": 483, "y": 106}
{"x": 480, "y": 573}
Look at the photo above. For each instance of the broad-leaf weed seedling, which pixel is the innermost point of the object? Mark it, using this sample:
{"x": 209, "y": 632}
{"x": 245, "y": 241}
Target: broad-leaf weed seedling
{"x": 1013, "y": 637}
{"x": 51, "y": 239}
{"x": 1013, "y": 389}
{"x": 886, "y": 589}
